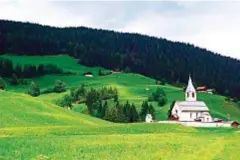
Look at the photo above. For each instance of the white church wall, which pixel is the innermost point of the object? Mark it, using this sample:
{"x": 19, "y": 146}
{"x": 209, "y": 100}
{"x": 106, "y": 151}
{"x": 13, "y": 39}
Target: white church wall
{"x": 191, "y": 116}
{"x": 184, "y": 116}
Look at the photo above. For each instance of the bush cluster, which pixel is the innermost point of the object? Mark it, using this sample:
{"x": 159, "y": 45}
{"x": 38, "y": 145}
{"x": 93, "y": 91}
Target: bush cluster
{"x": 159, "y": 95}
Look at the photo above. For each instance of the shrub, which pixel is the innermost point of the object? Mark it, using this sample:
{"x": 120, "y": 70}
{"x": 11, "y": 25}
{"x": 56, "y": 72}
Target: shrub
{"x": 162, "y": 100}
{"x": 66, "y": 101}
{"x": 59, "y": 86}
{"x": 14, "y": 80}
{"x": 159, "y": 95}
{"x": 34, "y": 90}
{"x": 78, "y": 93}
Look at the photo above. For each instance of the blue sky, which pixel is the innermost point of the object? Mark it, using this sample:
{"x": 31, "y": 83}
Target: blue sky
{"x": 213, "y": 25}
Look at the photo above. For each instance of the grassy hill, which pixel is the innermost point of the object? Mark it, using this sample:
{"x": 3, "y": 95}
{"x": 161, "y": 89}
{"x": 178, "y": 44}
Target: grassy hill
{"x": 131, "y": 87}
{"x": 35, "y": 128}
{"x": 22, "y": 110}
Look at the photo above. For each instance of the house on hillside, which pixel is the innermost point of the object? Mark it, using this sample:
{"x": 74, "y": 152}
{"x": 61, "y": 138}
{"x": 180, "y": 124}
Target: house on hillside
{"x": 202, "y": 89}
{"x": 88, "y": 74}
{"x": 116, "y": 71}
{"x": 191, "y": 110}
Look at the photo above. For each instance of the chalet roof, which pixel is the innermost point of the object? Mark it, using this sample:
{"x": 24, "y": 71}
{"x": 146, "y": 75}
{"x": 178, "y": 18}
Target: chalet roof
{"x": 192, "y": 106}
{"x": 202, "y": 88}
{"x": 190, "y": 87}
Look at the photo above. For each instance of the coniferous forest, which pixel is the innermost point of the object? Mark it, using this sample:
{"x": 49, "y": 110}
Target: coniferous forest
{"x": 151, "y": 56}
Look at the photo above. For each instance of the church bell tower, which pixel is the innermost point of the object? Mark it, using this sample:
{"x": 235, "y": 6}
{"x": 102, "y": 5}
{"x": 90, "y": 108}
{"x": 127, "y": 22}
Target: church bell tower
{"x": 190, "y": 93}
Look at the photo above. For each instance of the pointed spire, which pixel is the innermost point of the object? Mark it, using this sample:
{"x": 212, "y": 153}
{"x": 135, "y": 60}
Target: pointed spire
{"x": 190, "y": 87}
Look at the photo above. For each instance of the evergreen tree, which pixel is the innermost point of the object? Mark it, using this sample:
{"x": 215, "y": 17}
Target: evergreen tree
{"x": 93, "y": 100}
{"x": 121, "y": 117}
{"x": 59, "y": 86}
{"x": 26, "y": 71}
{"x": 82, "y": 90}
{"x": 104, "y": 108}
{"x": 151, "y": 110}
{"x": 74, "y": 94}
{"x": 40, "y": 70}
{"x": 111, "y": 114}
{"x": 34, "y": 90}
{"x": 162, "y": 100}
{"x": 14, "y": 80}
{"x": 159, "y": 95}
{"x": 127, "y": 111}
{"x": 147, "y": 109}
{"x": 115, "y": 98}
{"x": 144, "y": 110}
{"x": 134, "y": 114}
{"x": 100, "y": 73}
{"x": 18, "y": 70}
{"x": 2, "y": 84}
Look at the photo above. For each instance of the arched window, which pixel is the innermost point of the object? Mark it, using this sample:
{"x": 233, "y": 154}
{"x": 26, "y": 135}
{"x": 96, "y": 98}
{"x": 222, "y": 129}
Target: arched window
{"x": 193, "y": 95}
{"x": 187, "y": 94}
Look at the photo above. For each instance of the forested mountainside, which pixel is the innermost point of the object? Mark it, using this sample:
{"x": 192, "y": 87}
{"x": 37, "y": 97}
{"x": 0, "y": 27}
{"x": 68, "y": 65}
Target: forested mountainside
{"x": 154, "y": 57}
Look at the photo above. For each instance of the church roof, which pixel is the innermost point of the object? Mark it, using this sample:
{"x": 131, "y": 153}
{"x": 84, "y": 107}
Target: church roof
{"x": 192, "y": 106}
{"x": 190, "y": 87}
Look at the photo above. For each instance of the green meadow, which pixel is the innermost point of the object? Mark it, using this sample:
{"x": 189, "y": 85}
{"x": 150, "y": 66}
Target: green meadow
{"x": 35, "y": 128}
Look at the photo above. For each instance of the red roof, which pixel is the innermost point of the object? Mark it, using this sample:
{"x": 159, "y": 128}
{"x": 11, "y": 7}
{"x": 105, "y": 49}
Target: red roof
{"x": 202, "y": 88}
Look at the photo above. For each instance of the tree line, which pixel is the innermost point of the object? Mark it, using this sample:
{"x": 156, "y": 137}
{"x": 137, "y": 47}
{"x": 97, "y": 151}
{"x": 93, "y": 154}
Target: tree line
{"x": 7, "y": 69}
{"x": 103, "y": 103}
{"x": 150, "y": 56}
{"x": 58, "y": 87}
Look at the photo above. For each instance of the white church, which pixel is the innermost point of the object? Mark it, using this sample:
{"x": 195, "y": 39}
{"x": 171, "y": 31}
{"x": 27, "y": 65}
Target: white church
{"x": 191, "y": 110}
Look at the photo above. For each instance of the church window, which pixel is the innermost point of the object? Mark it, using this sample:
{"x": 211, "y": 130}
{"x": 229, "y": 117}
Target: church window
{"x": 187, "y": 94}
{"x": 190, "y": 115}
{"x": 193, "y": 95}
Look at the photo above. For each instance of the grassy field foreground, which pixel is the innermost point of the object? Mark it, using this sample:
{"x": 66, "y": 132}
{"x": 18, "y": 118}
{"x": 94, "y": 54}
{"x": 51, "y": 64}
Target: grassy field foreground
{"x": 122, "y": 142}
{"x": 32, "y": 128}
{"x": 63, "y": 134}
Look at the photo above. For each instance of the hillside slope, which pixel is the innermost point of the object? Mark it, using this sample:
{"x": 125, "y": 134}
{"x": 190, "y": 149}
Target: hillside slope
{"x": 21, "y": 110}
{"x": 153, "y": 57}
{"x": 33, "y": 129}
{"x": 131, "y": 87}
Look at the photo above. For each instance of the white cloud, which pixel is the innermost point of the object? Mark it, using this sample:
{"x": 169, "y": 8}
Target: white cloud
{"x": 213, "y": 25}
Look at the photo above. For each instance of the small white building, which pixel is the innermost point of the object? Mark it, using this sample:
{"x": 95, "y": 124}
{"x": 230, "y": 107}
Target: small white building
{"x": 148, "y": 118}
{"x": 191, "y": 110}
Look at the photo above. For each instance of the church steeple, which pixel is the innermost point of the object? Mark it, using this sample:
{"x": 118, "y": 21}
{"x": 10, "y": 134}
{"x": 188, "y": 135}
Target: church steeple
{"x": 190, "y": 93}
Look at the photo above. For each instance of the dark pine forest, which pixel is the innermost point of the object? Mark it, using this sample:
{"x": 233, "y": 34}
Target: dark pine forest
{"x": 150, "y": 56}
